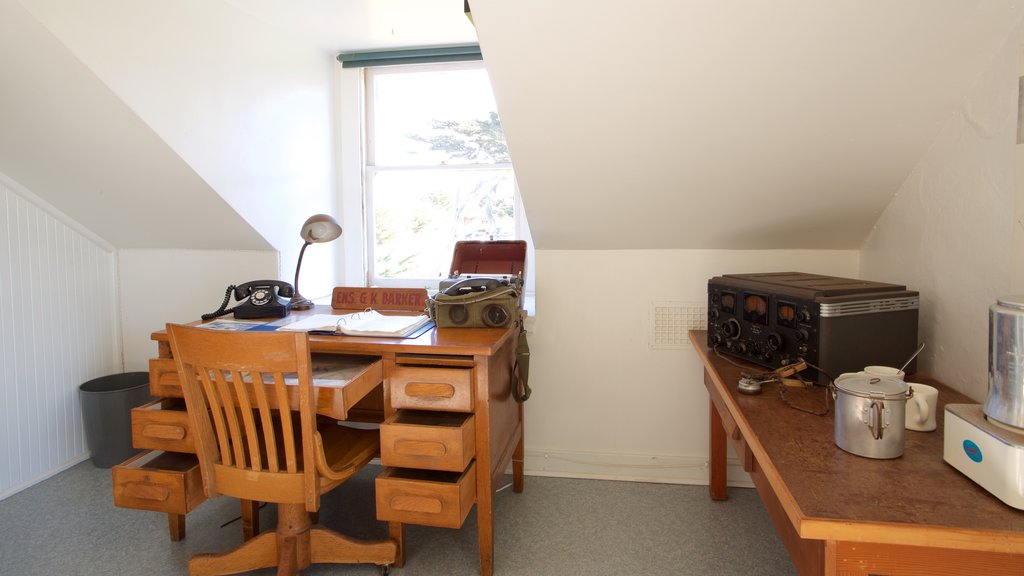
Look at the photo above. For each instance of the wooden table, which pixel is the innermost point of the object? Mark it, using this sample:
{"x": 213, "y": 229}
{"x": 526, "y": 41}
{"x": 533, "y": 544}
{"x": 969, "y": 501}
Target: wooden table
{"x": 488, "y": 354}
{"x": 838, "y": 513}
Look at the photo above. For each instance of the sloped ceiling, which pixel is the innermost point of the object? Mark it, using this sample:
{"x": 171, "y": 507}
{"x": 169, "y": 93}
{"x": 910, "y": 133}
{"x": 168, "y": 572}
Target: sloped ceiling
{"x": 731, "y": 124}
{"x": 69, "y": 139}
{"x": 646, "y": 124}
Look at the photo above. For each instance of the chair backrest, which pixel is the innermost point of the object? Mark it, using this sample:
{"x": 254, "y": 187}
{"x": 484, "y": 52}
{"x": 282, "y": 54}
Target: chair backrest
{"x": 235, "y": 386}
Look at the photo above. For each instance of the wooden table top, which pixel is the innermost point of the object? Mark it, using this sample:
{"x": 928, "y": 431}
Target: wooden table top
{"x": 455, "y": 341}
{"x": 832, "y": 494}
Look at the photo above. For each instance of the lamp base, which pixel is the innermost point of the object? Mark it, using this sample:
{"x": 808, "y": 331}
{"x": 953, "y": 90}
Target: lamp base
{"x": 299, "y": 302}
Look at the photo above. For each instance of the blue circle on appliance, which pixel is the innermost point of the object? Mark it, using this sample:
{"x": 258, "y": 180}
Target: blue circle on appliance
{"x": 972, "y": 450}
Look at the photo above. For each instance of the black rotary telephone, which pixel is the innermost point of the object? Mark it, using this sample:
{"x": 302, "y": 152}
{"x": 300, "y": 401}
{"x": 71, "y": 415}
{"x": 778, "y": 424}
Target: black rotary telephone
{"x": 257, "y": 299}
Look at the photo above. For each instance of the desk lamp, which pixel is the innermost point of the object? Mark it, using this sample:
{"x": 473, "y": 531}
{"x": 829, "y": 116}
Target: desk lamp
{"x": 318, "y": 228}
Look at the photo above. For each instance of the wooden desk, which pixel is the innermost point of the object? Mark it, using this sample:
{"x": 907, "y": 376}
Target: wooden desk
{"x": 482, "y": 359}
{"x": 838, "y": 513}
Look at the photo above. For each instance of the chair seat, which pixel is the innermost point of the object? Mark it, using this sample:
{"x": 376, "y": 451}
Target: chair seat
{"x": 345, "y": 451}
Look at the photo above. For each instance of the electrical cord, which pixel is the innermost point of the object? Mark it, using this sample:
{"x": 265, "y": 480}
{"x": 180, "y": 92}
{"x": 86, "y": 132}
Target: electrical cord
{"x": 777, "y": 376}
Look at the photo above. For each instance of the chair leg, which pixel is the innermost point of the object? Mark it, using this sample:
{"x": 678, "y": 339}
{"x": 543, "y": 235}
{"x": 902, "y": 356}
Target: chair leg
{"x": 331, "y": 547}
{"x": 256, "y": 553}
{"x": 287, "y": 548}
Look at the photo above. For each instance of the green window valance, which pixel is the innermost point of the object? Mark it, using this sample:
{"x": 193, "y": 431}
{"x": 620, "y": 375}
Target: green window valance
{"x": 410, "y": 56}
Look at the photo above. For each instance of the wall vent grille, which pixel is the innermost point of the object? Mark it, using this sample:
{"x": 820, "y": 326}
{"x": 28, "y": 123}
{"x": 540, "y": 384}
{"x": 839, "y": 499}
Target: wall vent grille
{"x": 670, "y": 320}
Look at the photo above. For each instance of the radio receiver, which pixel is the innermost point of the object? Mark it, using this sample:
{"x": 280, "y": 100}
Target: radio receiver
{"x": 834, "y": 324}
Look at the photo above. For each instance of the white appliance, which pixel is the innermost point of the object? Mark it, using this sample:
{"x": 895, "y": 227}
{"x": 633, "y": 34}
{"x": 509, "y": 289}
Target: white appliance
{"x": 987, "y": 444}
{"x": 990, "y": 454}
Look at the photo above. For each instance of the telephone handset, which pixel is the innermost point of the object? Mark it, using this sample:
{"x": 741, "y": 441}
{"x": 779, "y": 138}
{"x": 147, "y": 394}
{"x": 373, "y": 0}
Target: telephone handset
{"x": 257, "y": 299}
{"x": 477, "y": 284}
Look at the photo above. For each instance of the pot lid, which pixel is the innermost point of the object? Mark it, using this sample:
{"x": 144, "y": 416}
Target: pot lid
{"x": 1014, "y": 301}
{"x": 869, "y": 386}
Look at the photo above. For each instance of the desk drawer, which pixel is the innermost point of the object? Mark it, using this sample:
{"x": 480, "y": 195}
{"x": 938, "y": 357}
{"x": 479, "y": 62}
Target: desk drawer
{"x": 163, "y": 378}
{"x": 430, "y": 440}
{"x": 159, "y": 481}
{"x": 432, "y": 388}
{"x": 426, "y": 497}
{"x": 162, "y": 425}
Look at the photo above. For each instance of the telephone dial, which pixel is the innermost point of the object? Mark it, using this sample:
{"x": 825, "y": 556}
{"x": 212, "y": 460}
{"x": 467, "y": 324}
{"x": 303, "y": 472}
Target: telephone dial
{"x": 256, "y": 299}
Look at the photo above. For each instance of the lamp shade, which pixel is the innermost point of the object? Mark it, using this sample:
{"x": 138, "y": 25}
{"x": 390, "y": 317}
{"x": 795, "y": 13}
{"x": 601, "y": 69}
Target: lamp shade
{"x": 320, "y": 228}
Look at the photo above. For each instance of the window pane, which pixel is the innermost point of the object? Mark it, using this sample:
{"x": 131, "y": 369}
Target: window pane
{"x": 420, "y": 214}
{"x": 432, "y": 118}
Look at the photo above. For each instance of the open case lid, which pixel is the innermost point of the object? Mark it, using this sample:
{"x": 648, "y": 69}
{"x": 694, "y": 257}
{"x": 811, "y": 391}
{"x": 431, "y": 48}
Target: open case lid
{"x": 483, "y": 257}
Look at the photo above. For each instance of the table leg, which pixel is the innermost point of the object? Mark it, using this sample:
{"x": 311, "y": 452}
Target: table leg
{"x": 718, "y": 472}
{"x": 518, "y": 457}
{"x": 396, "y": 530}
{"x": 485, "y": 530}
{"x": 176, "y": 525}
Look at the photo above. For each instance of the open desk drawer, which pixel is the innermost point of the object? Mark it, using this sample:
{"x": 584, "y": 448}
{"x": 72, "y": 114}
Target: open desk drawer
{"x": 426, "y": 497}
{"x": 159, "y": 481}
{"x": 162, "y": 425}
{"x": 431, "y": 440}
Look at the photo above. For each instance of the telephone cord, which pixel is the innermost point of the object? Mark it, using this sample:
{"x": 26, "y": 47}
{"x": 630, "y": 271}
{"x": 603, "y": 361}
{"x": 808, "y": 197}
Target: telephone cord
{"x": 223, "y": 306}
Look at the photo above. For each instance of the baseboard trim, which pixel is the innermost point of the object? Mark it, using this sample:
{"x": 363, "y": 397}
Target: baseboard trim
{"x": 11, "y": 491}
{"x": 662, "y": 469}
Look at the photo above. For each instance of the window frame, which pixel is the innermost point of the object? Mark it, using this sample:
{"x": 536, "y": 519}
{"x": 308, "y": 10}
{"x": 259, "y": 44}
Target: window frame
{"x": 369, "y": 169}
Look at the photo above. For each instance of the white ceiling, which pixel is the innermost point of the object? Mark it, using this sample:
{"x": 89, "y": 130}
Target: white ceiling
{"x": 692, "y": 124}
{"x": 727, "y": 124}
{"x": 695, "y": 124}
{"x": 352, "y": 25}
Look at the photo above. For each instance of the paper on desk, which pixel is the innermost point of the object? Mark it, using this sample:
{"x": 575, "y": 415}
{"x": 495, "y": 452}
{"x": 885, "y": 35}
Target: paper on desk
{"x": 366, "y": 323}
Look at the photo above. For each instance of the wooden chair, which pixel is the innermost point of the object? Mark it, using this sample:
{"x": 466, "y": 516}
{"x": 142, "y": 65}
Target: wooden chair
{"x": 234, "y": 385}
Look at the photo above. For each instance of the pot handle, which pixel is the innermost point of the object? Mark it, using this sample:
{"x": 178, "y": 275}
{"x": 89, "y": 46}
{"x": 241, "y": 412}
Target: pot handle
{"x": 877, "y": 428}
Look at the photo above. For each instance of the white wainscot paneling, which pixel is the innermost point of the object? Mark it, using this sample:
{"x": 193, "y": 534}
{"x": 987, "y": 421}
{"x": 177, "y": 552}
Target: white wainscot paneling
{"x": 58, "y": 328}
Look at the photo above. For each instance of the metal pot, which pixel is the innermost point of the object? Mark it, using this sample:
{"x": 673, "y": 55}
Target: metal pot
{"x": 870, "y": 414}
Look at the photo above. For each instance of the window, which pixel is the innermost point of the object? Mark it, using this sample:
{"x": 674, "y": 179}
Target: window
{"x": 437, "y": 170}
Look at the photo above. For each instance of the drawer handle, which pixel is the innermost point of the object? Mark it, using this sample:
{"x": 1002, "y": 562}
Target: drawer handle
{"x": 145, "y": 491}
{"x": 420, "y": 448}
{"x": 417, "y": 504}
{"x": 164, "y": 432}
{"x": 430, "y": 389}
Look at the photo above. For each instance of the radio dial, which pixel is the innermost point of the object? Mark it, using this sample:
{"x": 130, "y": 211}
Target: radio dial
{"x": 774, "y": 341}
{"x": 731, "y": 328}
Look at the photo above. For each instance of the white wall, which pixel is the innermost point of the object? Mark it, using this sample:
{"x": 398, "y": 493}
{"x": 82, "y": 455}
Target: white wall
{"x": 607, "y": 405}
{"x": 949, "y": 232}
{"x": 58, "y": 329}
{"x": 161, "y": 286}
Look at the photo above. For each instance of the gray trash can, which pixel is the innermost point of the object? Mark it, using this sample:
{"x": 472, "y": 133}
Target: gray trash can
{"x": 107, "y": 404}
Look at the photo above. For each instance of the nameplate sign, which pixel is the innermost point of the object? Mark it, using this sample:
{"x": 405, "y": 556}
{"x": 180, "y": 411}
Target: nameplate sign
{"x": 380, "y": 299}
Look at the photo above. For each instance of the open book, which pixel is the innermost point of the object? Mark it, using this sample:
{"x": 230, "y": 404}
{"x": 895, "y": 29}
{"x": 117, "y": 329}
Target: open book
{"x": 366, "y": 323}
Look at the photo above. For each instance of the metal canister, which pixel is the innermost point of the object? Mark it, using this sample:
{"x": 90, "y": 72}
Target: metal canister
{"x": 1005, "y": 402}
{"x": 870, "y": 415}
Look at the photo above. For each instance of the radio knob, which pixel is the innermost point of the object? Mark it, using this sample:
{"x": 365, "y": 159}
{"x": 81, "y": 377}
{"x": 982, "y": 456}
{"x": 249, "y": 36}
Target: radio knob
{"x": 803, "y": 316}
{"x": 801, "y": 335}
{"x": 741, "y": 348}
{"x": 774, "y": 341}
{"x": 713, "y": 314}
{"x": 716, "y": 339}
{"x": 731, "y": 328}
